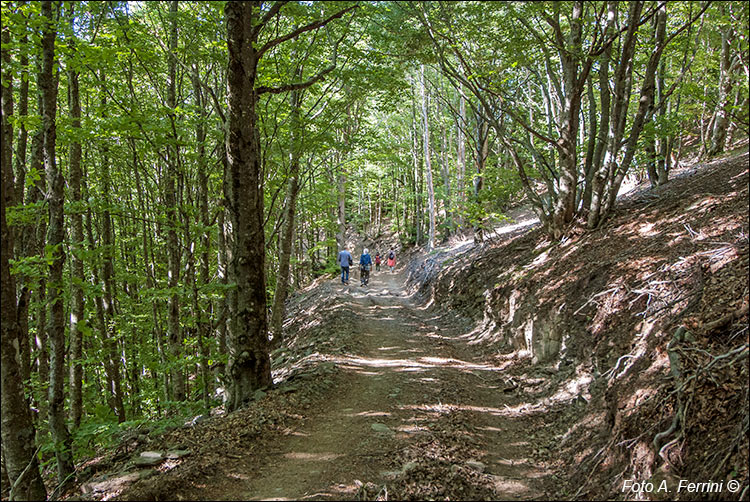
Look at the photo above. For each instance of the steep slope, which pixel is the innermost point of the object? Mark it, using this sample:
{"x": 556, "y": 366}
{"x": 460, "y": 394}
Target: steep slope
{"x": 642, "y": 325}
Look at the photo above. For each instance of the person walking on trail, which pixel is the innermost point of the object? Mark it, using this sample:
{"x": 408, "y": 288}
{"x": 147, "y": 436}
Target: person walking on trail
{"x": 345, "y": 261}
{"x": 377, "y": 262}
{"x": 365, "y": 264}
{"x": 391, "y": 259}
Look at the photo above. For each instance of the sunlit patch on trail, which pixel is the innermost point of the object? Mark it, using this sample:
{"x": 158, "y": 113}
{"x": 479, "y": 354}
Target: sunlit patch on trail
{"x": 420, "y": 363}
{"x": 314, "y": 457}
{"x": 370, "y": 414}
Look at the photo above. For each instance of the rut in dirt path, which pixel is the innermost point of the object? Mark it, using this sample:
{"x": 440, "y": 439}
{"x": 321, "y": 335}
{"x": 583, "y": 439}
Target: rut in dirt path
{"x": 394, "y": 394}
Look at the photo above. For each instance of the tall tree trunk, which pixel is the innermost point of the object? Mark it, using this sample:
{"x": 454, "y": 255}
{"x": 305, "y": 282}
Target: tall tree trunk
{"x": 107, "y": 323}
{"x": 564, "y": 205}
{"x": 287, "y": 230}
{"x": 428, "y": 163}
{"x": 223, "y": 266}
{"x": 589, "y": 165}
{"x": 249, "y": 362}
{"x": 203, "y": 319}
{"x": 35, "y": 242}
{"x": 417, "y": 167}
{"x": 25, "y": 243}
{"x": 482, "y": 151}
{"x": 461, "y": 154}
{"x": 18, "y": 432}
{"x": 615, "y": 119}
{"x": 55, "y": 236}
{"x": 645, "y": 108}
{"x": 76, "y": 224}
{"x": 447, "y": 203}
{"x": 170, "y": 199}
{"x": 341, "y": 206}
{"x": 721, "y": 119}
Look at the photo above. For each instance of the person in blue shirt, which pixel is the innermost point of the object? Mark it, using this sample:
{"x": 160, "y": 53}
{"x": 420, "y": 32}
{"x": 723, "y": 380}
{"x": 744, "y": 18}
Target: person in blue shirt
{"x": 365, "y": 264}
{"x": 345, "y": 260}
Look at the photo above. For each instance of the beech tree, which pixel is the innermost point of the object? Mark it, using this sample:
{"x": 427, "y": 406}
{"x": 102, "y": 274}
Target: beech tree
{"x": 249, "y": 363}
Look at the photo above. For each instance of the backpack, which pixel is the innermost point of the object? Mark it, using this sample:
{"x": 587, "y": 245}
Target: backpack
{"x": 377, "y": 260}
{"x": 391, "y": 255}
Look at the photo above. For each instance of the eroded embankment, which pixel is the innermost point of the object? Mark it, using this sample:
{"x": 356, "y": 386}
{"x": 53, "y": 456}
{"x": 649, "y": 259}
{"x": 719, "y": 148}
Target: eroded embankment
{"x": 599, "y": 311}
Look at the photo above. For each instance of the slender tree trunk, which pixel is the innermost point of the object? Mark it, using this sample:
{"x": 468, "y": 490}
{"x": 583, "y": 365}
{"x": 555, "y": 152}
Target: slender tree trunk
{"x": 25, "y": 243}
{"x": 287, "y": 231}
{"x": 35, "y": 247}
{"x": 417, "y": 171}
{"x": 482, "y": 151}
{"x": 721, "y": 119}
{"x": 55, "y": 236}
{"x": 615, "y": 119}
{"x": 107, "y": 324}
{"x": 645, "y": 107}
{"x": 564, "y": 206}
{"x": 203, "y": 319}
{"x": 223, "y": 280}
{"x": 76, "y": 224}
{"x": 428, "y": 163}
{"x": 341, "y": 205}
{"x": 590, "y": 163}
{"x": 461, "y": 153}
{"x": 170, "y": 199}
{"x": 446, "y": 182}
{"x": 102, "y": 324}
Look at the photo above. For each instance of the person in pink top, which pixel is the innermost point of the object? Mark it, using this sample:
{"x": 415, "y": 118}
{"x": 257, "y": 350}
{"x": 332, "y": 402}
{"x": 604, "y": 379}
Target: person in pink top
{"x": 391, "y": 259}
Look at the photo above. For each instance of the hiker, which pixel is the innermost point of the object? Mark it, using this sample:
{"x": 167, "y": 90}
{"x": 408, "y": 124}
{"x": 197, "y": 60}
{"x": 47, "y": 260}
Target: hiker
{"x": 377, "y": 261}
{"x": 345, "y": 260}
{"x": 365, "y": 264}
{"x": 391, "y": 259}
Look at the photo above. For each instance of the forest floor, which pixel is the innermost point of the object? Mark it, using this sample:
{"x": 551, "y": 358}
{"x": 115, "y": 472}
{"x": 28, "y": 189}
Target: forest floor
{"x": 409, "y": 413}
{"x": 408, "y": 388}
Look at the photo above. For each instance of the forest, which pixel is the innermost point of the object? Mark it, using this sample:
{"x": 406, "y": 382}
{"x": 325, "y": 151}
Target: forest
{"x": 178, "y": 178}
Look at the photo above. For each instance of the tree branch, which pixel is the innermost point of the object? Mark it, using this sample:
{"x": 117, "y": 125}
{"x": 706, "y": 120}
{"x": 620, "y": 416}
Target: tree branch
{"x": 297, "y": 85}
{"x": 275, "y": 8}
{"x": 312, "y": 26}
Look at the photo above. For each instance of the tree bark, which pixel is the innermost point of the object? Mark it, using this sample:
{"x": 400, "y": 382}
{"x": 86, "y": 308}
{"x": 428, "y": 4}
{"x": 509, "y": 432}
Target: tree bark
{"x": 249, "y": 362}
{"x": 170, "y": 200}
{"x": 482, "y": 151}
{"x": 76, "y": 225}
{"x": 461, "y": 154}
{"x": 721, "y": 119}
{"x": 564, "y": 206}
{"x": 18, "y": 432}
{"x": 222, "y": 272}
{"x": 55, "y": 236}
{"x": 34, "y": 245}
{"x": 107, "y": 320}
{"x": 428, "y": 163}
{"x": 25, "y": 243}
{"x": 202, "y": 316}
{"x": 287, "y": 231}
{"x": 645, "y": 108}
{"x": 615, "y": 118}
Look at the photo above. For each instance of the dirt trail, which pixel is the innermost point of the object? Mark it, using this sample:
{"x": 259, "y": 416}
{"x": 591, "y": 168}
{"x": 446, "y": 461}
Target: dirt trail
{"x": 408, "y": 382}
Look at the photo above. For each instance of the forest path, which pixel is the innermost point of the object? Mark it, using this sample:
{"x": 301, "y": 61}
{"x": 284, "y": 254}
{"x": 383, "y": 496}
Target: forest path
{"x": 409, "y": 399}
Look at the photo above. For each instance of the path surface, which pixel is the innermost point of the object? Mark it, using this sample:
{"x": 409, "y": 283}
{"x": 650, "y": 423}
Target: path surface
{"x": 408, "y": 386}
